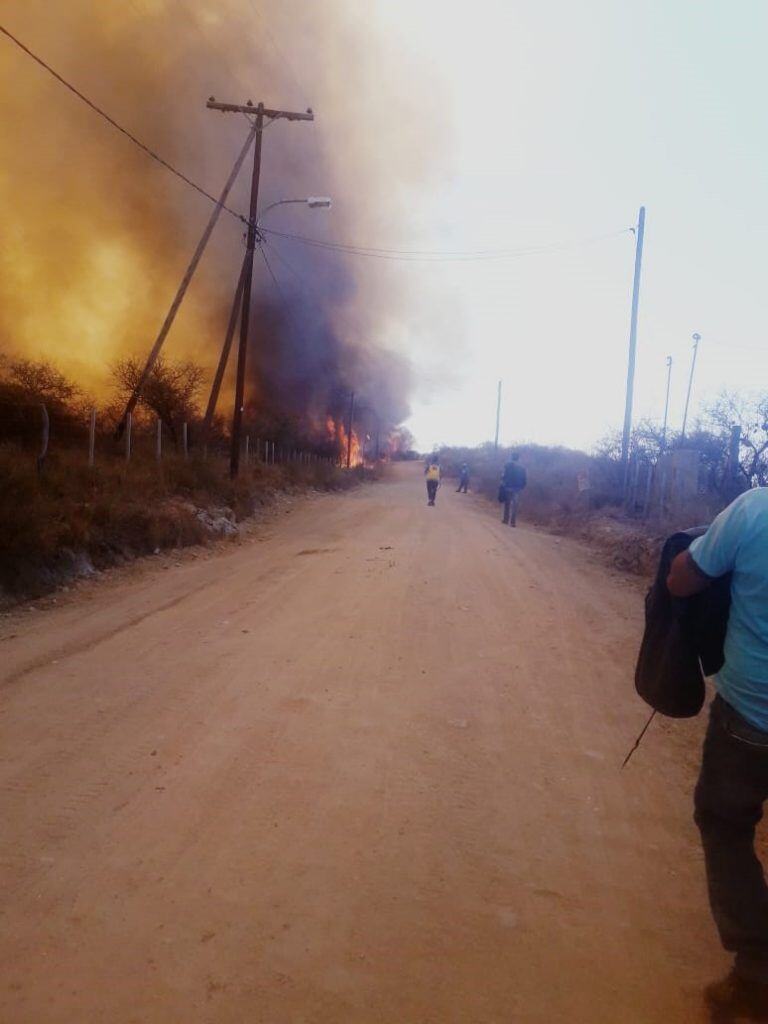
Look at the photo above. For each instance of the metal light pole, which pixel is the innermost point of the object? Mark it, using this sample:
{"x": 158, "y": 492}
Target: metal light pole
{"x": 498, "y": 418}
{"x": 696, "y": 340}
{"x": 666, "y": 404}
{"x": 625, "y": 438}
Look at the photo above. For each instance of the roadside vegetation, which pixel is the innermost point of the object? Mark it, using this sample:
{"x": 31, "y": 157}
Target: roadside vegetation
{"x": 583, "y": 494}
{"x": 61, "y": 517}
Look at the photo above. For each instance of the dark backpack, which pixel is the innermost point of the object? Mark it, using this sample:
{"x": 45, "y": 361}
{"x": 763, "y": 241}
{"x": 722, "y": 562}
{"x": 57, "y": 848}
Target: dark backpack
{"x": 683, "y": 635}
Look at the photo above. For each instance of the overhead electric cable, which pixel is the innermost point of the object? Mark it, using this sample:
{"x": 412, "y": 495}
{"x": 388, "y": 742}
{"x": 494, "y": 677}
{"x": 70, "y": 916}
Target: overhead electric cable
{"x": 444, "y": 255}
{"x": 279, "y": 52}
{"x": 110, "y": 120}
{"x": 272, "y": 274}
{"x": 299, "y": 278}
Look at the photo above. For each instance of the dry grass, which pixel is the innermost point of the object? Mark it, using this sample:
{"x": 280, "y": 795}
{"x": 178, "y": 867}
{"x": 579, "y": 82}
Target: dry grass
{"x": 70, "y": 517}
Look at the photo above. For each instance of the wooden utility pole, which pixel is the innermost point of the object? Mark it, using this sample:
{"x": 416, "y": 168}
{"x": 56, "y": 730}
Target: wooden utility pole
{"x": 262, "y": 113}
{"x": 349, "y": 434}
{"x": 498, "y": 417}
{"x": 185, "y": 282}
{"x": 625, "y": 438}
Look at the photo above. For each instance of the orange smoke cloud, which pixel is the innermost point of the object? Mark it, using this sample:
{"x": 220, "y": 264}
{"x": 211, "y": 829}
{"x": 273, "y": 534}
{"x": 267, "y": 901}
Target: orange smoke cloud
{"x": 97, "y": 235}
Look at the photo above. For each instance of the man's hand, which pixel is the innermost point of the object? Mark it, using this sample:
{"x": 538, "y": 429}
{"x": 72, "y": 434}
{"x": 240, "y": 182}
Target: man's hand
{"x": 685, "y": 577}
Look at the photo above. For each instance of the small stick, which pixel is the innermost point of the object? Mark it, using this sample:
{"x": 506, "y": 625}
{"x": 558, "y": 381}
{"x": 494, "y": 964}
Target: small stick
{"x": 638, "y": 740}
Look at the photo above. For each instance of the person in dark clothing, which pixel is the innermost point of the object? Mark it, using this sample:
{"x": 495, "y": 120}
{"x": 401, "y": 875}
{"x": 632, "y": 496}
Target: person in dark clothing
{"x": 513, "y": 481}
{"x": 463, "y": 479}
{"x": 733, "y": 784}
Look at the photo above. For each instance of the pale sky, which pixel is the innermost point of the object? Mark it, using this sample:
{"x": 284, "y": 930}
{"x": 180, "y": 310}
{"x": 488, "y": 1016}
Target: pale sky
{"x": 566, "y": 117}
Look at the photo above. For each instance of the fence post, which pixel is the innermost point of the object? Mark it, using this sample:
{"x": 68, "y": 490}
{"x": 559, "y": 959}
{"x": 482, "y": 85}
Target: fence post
{"x": 648, "y": 483}
{"x": 185, "y": 439}
{"x": 46, "y": 425}
{"x": 635, "y": 480}
{"x": 128, "y": 425}
{"x": 92, "y": 439}
{"x": 159, "y": 440}
{"x": 662, "y": 483}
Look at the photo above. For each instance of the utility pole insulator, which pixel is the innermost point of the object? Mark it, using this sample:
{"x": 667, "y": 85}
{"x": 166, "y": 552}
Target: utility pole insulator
{"x": 249, "y": 108}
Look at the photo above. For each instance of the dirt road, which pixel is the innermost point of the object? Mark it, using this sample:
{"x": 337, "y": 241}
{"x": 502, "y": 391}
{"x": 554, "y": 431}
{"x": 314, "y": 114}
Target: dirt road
{"x": 364, "y": 770}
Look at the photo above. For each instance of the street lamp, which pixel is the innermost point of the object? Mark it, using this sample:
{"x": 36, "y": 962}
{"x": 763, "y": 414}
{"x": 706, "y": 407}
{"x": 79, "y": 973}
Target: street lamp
{"x": 696, "y": 340}
{"x": 313, "y": 202}
{"x": 666, "y": 404}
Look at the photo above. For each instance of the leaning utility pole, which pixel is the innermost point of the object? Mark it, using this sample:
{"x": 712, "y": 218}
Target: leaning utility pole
{"x": 182, "y": 289}
{"x": 639, "y": 234}
{"x": 498, "y": 417}
{"x": 261, "y": 113}
{"x": 219, "y": 375}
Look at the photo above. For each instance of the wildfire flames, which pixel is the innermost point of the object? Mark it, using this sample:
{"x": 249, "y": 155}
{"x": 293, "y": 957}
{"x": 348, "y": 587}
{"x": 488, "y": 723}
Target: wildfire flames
{"x": 339, "y": 436}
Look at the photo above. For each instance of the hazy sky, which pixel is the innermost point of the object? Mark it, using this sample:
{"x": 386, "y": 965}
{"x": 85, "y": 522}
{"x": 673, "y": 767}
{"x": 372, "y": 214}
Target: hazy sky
{"x": 563, "y": 118}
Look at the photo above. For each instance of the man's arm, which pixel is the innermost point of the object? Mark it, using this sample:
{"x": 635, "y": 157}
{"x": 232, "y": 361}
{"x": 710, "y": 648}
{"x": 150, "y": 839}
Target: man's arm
{"x": 685, "y": 577}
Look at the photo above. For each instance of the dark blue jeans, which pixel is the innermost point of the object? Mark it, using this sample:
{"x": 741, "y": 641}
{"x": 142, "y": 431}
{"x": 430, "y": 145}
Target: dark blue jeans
{"x": 732, "y": 787}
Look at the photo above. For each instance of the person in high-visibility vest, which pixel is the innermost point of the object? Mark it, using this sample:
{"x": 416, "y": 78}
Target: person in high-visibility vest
{"x": 432, "y": 473}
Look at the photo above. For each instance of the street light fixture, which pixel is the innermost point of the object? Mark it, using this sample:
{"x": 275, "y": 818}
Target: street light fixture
{"x": 313, "y": 202}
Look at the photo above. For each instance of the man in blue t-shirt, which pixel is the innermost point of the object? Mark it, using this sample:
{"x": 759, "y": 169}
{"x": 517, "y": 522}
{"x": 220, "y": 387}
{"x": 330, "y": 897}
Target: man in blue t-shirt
{"x": 733, "y": 783}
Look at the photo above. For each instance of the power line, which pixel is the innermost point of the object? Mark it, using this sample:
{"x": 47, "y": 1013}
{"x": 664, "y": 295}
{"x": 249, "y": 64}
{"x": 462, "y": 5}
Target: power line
{"x": 209, "y": 40}
{"x": 272, "y": 275}
{"x": 279, "y": 52}
{"x": 302, "y": 281}
{"x": 441, "y": 256}
{"x": 110, "y": 120}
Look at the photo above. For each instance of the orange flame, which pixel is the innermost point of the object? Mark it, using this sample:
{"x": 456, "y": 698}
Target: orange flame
{"x": 337, "y": 432}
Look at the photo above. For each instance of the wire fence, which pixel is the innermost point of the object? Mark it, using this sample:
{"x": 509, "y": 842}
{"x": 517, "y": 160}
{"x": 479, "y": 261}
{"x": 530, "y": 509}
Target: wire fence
{"x": 147, "y": 440}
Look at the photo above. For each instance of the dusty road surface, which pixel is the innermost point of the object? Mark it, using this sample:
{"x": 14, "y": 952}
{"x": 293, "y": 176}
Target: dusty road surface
{"x": 364, "y": 769}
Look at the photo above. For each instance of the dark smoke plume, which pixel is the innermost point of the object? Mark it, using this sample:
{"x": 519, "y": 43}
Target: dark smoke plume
{"x": 97, "y": 235}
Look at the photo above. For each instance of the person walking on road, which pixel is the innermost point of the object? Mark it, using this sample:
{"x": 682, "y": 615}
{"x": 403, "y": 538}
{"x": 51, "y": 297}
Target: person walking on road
{"x": 432, "y": 473}
{"x": 513, "y": 481}
{"x": 733, "y": 784}
{"x": 463, "y": 479}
